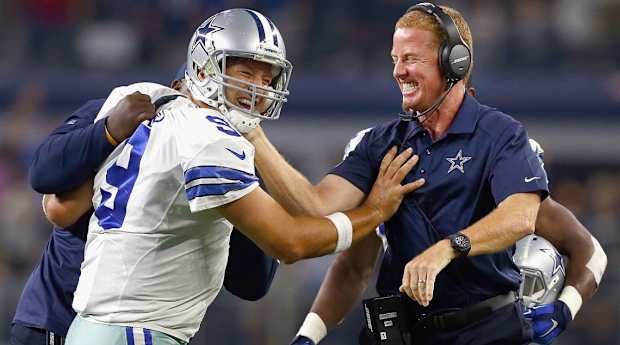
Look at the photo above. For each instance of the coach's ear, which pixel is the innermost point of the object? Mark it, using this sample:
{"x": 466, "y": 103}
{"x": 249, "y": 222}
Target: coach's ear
{"x": 471, "y": 91}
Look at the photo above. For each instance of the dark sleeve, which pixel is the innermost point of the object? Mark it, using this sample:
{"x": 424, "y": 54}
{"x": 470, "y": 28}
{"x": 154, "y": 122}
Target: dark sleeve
{"x": 70, "y": 155}
{"x": 249, "y": 271}
{"x": 359, "y": 167}
{"x": 516, "y": 167}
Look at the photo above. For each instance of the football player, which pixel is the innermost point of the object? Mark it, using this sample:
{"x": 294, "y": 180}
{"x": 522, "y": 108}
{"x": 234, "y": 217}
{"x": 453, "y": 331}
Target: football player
{"x": 67, "y": 158}
{"x": 164, "y": 199}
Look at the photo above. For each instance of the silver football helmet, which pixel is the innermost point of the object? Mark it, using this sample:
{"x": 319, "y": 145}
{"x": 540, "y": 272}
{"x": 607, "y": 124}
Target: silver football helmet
{"x": 241, "y": 33}
{"x": 542, "y": 268}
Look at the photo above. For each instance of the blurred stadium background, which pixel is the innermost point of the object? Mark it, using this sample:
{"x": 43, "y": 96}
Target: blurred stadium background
{"x": 552, "y": 64}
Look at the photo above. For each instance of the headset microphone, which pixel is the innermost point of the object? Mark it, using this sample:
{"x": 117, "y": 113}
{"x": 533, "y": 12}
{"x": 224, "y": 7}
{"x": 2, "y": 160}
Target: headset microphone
{"x": 411, "y": 114}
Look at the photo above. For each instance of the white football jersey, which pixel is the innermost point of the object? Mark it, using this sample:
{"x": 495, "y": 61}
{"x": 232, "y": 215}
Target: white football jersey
{"x": 156, "y": 251}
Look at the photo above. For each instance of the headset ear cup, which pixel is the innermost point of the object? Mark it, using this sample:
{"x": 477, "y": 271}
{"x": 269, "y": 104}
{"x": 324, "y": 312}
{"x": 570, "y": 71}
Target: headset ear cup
{"x": 459, "y": 60}
{"x": 444, "y": 61}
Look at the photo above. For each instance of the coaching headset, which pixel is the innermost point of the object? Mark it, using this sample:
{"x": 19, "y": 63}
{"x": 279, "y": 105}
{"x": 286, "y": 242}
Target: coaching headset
{"x": 454, "y": 55}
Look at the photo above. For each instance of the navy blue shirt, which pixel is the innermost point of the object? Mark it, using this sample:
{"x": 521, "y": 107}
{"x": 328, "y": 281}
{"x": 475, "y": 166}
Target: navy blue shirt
{"x": 483, "y": 158}
{"x": 66, "y": 160}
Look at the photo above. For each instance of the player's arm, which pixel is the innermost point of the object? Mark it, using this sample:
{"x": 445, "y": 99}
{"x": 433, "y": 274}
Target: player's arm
{"x": 66, "y": 161}
{"x": 293, "y": 190}
{"x": 69, "y": 156}
{"x": 249, "y": 271}
{"x": 587, "y": 260}
{"x": 64, "y": 210}
{"x": 290, "y": 238}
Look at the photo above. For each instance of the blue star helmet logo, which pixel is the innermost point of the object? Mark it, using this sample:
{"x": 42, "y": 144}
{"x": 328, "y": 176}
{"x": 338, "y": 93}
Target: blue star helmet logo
{"x": 207, "y": 28}
{"x": 558, "y": 260}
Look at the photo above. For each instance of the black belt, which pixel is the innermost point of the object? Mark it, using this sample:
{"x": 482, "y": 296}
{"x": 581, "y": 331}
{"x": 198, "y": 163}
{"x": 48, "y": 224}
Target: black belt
{"x": 452, "y": 319}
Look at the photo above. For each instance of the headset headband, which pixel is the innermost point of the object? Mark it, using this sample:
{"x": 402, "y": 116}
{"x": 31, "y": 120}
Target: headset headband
{"x": 454, "y": 55}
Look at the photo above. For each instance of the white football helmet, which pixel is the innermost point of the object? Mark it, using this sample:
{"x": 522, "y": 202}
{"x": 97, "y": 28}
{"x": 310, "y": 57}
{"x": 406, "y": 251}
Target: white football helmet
{"x": 239, "y": 33}
{"x": 542, "y": 268}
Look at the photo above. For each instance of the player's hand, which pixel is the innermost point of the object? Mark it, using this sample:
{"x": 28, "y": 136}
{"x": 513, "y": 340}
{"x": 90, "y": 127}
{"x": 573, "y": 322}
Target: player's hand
{"x": 548, "y": 321}
{"x": 420, "y": 273}
{"x": 255, "y": 134}
{"x": 243, "y": 122}
{"x": 301, "y": 340}
{"x": 127, "y": 115}
{"x": 387, "y": 193}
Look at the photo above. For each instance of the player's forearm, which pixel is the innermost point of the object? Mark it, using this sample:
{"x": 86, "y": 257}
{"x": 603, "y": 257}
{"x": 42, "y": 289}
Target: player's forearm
{"x": 284, "y": 183}
{"x": 345, "y": 282}
{"x": 513, "y": 219}
{"x": 318, "y": 236}
{"x": 559, "y": 226}
{"x": 64, "y": 210}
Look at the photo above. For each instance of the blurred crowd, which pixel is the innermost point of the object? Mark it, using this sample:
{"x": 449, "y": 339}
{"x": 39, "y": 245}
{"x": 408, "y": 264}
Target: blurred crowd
{"x": 346, "y": 37}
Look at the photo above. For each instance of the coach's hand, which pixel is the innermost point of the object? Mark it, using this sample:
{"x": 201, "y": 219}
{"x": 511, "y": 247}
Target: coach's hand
{"x": 301, "y": 340}
{"x": 548, "y": 321}
{"x": 420, "y": 273}
{"x": 127, "y": 115}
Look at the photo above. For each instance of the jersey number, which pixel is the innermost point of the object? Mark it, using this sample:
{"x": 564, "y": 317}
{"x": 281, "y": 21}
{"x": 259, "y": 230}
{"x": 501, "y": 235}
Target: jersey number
{"x": 120, "y": 179}
{"x": 223, "y": 126}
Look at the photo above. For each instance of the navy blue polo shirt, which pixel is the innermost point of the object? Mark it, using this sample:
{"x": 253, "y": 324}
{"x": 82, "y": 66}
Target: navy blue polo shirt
{"x": 483, "y": 158}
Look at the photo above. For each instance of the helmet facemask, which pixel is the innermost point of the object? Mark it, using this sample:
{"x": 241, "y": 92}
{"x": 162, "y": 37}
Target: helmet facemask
{"x": 270, "y": 98}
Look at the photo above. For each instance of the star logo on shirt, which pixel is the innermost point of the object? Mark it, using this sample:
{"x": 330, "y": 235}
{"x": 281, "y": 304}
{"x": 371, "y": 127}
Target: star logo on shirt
{"x": 458, "y": 162}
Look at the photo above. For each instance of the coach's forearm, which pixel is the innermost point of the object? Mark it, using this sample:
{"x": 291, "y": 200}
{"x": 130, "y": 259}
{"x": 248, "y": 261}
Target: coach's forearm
{"x": 513, "y": 219}
{"x": 345, "y": 281}
{"x": 284, "y": 183}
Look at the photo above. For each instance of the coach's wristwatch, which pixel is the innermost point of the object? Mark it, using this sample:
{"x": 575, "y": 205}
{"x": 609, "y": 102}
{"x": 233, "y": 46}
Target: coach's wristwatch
{"x": 460, "y": 243}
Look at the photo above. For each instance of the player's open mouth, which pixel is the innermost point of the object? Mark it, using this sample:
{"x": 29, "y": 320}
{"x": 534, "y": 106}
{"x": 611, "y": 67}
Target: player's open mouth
{"x": 244, "y": 103}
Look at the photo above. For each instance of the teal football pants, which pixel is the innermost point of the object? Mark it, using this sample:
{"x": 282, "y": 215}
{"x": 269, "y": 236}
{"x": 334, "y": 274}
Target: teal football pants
{"x": 84, "y": 332}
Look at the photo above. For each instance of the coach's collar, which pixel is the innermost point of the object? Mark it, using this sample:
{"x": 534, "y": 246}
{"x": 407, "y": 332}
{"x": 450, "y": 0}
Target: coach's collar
{"x": 467, "y": 116}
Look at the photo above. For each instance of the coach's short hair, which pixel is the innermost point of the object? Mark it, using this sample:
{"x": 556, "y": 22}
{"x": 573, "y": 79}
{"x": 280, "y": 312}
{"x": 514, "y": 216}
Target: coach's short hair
{"x": 425, "y": 21}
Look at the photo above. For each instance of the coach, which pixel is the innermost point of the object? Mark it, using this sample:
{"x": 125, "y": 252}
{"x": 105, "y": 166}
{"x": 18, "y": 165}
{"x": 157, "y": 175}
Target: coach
{"x": 451, "y": 241}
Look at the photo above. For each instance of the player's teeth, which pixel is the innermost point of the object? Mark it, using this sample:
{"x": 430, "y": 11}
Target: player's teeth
{"x": 245, "y": 102}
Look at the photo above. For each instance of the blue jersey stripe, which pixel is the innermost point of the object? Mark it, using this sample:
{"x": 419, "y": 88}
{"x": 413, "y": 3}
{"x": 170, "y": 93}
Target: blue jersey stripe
{"x": 212, "y": 171}
{"x": 129, "y": 333}
{"x": 148, "y": 339}
{"x": 259, "y": 25}
{"x": 214, "y": 189}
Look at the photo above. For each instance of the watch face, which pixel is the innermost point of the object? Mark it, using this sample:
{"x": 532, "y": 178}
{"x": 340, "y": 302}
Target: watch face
{"x": 461, "y": 241}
